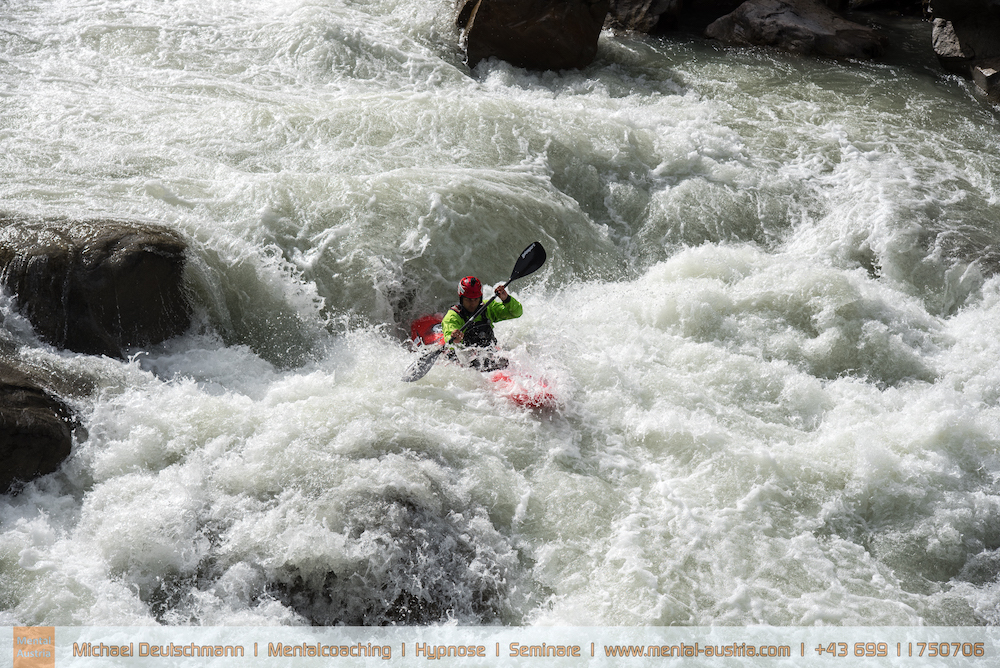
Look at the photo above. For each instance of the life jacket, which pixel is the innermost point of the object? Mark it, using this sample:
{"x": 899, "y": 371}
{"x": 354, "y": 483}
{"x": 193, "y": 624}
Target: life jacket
{"x": 480, "y": 333}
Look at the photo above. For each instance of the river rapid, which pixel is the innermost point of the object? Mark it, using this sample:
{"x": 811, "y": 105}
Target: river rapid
{"x": 769, "y": 315}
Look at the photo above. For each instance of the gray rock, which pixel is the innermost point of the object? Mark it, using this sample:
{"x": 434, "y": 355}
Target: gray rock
{"x": 534, "y": 34}
{"x": 967, "y": 39}
{"x": 95, "y": 286}
{"x": 952, "y": 54}
{"x": 986, "y": 74}
{"x": 35, "y": 429}
{"x": 799, "y": 26}
{"x": 974, "y": 25}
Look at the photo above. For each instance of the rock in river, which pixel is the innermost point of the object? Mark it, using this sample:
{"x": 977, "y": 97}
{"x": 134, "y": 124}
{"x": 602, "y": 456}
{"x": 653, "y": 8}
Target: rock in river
{"x": 534, "y": 34}
{"x": 35, "y": 429}
{"x": 798, "y": 26}
{"x": 95, "y": 286}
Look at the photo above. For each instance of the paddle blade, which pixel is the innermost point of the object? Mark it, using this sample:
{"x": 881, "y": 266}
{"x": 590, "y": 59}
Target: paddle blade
{"x": 530, "y": 261}
{"x": 422, "y": 365}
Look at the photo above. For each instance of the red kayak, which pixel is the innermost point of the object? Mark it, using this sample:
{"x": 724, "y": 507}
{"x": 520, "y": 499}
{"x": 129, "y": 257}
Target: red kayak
{"x": 523, "y": 389}
{"x": 427, "y": 329}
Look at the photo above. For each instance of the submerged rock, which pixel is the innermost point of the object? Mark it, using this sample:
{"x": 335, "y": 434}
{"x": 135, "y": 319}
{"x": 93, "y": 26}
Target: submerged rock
{"x": 799, "y": 26}
{"x": 95, "y": 286}
{"x": 415, "y": 565}
{"x": 534, "y": 34}
{"x": 35, "y": 429}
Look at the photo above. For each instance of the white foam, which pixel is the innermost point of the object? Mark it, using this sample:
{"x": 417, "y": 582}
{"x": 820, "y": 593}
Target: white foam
{"x": 764, "y": 314}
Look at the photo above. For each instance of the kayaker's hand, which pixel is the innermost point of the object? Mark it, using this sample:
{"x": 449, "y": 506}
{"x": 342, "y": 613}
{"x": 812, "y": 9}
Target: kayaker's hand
{"x": 457, "y": 336}
{"x": 501, "y": 293}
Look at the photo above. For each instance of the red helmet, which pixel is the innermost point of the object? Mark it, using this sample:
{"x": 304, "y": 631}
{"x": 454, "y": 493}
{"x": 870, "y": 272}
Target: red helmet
{"x": 470, "y": 287}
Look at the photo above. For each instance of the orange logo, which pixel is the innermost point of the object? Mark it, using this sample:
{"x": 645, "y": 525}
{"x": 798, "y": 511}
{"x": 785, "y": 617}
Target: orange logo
{"x": 34, "y": 647}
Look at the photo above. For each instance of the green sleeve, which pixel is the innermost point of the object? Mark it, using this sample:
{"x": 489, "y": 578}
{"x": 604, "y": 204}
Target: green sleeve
{"x": 498, "y": 311}
{"x": 450, "y": 323}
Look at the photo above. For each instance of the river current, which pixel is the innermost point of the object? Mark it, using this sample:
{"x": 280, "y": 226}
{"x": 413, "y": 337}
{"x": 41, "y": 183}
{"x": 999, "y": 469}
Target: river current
{"x": 769, "y": 314}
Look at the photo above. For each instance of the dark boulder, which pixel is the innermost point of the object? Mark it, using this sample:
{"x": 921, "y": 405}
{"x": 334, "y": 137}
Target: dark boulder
{"x": 800, "y": 26}
{"x": 697, "y": 14}
{"x": 967, "y": 40}
{"x": 35, "y": 429}
{"x": 975, "y": 24}
{"x": 534, "y": 34}
{"x": 95, "y": 286}
{"x": 643, "y": 15}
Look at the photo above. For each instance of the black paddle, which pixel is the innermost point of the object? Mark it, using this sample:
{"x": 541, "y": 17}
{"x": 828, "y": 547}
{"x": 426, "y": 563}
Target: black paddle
{"x": 529, "y": 262}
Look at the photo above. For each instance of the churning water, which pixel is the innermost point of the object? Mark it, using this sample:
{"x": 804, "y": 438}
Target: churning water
{"x": 769, "y": 312}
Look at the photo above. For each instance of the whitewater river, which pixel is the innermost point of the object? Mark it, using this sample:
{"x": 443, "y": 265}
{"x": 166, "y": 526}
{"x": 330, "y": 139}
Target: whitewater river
{"x": 769, "y": 315}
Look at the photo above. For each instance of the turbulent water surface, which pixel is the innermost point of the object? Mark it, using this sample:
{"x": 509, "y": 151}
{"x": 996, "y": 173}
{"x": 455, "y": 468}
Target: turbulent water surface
{"x": 769, "y": 315}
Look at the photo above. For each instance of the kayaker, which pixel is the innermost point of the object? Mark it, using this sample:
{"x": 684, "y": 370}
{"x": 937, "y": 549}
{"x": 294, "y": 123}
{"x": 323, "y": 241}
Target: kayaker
{"x": 480, "y": 332}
